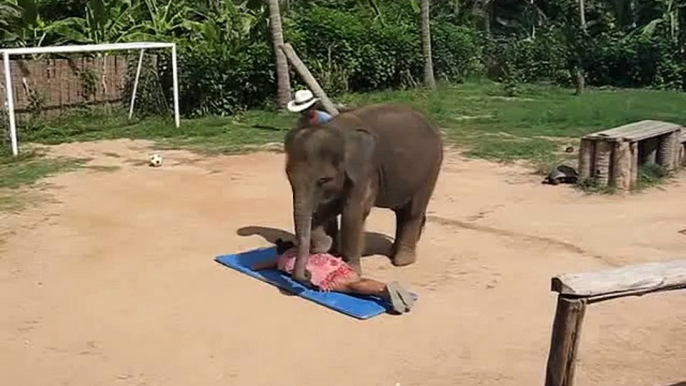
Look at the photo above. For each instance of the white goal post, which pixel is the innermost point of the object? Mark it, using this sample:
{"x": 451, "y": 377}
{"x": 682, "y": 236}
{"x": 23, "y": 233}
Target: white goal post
{"x": 142, "y": 46}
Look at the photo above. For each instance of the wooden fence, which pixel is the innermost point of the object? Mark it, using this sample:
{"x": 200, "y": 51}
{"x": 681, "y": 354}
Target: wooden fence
{"x": 53, "y": 85}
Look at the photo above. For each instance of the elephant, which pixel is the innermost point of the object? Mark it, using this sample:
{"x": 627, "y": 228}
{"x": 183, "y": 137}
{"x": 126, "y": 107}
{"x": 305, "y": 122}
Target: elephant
{"x": 381, "y": 155}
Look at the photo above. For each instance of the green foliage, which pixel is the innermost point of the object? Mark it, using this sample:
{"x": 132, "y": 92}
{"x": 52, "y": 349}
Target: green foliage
{"x": 454, "y": 50}
{"x": 222, "y": 80}
{"x": 104, "y": 22}
{"x": 227, "y": 60}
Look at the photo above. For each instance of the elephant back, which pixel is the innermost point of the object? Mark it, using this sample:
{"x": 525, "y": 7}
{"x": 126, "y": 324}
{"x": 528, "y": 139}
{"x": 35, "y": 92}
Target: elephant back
{"x": 409, "y": 147}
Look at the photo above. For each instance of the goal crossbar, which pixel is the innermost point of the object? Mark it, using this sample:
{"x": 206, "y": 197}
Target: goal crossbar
{"x": 8, "y": 52}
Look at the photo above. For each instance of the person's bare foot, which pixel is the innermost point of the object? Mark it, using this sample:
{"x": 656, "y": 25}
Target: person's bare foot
{"x": 401, "y": 300}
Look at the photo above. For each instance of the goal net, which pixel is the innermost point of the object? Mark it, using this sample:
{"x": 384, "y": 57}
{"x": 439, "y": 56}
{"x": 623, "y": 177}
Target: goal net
{"x": 44, "y": 82}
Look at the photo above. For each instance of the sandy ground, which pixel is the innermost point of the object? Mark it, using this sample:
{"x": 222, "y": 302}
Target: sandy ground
{"x": 112, "y": 281}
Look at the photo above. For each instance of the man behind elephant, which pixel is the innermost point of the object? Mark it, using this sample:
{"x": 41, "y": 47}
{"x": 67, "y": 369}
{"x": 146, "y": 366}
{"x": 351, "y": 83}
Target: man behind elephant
{"x": 306, "y": 104}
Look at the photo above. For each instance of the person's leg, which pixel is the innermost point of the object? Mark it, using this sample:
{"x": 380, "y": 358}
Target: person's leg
{"x": 400, "y": 300}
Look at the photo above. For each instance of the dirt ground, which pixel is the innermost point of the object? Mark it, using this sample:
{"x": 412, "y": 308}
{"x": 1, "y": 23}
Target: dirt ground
{"x": 112, "y": 281}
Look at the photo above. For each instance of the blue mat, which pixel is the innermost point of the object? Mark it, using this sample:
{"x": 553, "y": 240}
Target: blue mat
{"x": 360, "y": 307}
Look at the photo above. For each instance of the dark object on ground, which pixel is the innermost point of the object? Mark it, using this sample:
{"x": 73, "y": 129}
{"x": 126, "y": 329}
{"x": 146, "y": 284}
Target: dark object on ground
{"x": 562, "y": 174}
{"x": 283, "y": 246}
{"x": 569, "y": 149}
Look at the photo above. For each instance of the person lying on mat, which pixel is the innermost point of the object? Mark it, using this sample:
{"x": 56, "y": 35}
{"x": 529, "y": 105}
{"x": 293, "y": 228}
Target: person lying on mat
{"x": 331, "y": 273}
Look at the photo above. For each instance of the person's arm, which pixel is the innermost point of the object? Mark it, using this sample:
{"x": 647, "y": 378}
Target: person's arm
{"x": 268, "y": 264}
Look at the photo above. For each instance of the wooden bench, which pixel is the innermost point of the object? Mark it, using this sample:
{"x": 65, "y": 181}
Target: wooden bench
{"x": 613, "y": 156}
{"x": 575, "y": 291}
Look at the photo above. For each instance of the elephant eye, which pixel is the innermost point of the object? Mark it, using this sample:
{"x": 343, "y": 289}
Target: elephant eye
{"x": 324, "y": 180}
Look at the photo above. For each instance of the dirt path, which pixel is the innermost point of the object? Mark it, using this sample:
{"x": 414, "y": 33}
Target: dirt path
{"x": 113, "y": 282}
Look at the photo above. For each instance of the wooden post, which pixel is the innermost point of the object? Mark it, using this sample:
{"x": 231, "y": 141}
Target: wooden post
{"x": 585, "y": 158}
{"x": 634, "y": 163}
{"x": 665, "y": 150}
{"x": 682, "y": 154}
{"x": 564, "y": 342}
{"x": 621, "y": 166}
{"x": 308, "y": 78}
{"x": 602, "y": 162}
{"x": 676, "y": 148}
{"x": 649, "y": 151}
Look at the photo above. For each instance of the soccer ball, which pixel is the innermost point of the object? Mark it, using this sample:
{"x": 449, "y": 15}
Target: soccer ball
{"x": 155, "y": 160}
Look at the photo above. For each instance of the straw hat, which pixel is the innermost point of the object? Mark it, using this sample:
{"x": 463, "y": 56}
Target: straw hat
{"x": 303, "y": 99}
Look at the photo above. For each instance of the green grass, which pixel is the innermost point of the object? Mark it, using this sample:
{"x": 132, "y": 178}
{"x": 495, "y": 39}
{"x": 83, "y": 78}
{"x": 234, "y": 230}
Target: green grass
{"x": 478, "y": 116}
{"x": 649, "y": 176}
{"x": 27, "y": 168}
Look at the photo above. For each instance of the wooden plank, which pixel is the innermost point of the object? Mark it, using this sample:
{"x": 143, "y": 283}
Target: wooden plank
{"x": 621, "y": 166}
{"x": 564, "y": 342}
{"x": 644, "y": 278}
{"x": 636, "y": 131}
{"x": 586, "y": 158}
{"x": 603, "y": 157}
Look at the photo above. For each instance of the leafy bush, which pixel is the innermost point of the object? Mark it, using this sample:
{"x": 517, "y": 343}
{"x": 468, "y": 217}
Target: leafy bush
{"x": 527, "y": 60}
{"x": 219, "y": 81}
{"x": 454, "y": 50}
{"x": 368, "y": 54}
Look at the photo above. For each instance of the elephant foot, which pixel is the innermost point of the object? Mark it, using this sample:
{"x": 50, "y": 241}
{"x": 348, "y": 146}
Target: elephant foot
{"x": 403, "y": 258}
{"x": 302, "y": 277}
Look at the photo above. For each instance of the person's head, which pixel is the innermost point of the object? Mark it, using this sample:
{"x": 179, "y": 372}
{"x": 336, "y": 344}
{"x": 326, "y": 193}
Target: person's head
{"x": 304, "y": 102}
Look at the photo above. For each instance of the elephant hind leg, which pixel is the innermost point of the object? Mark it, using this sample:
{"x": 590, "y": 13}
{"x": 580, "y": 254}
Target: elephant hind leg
{"x": 408, "y": 228}
{"x": 410, "y": 223}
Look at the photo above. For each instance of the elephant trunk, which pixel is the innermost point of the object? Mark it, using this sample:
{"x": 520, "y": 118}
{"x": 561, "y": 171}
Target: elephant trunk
{"x": 302, "y": 216}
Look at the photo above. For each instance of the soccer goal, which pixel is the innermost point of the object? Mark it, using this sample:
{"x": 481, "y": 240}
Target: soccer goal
{"x": 142, "y": 46}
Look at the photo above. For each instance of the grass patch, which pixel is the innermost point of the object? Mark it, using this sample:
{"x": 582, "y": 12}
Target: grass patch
{"x": 30, "y": 166}
{"x": 652, "y": 175}
{"x": 25, "y": 169}
{"x": 649, "y": 176}
{"x": 477, "y": 115}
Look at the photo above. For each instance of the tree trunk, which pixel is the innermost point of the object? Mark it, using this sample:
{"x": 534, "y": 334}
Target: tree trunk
{"x": 283, "y": 80}
{"x": 429, "y": 80}
{"x": 579, "y": 80}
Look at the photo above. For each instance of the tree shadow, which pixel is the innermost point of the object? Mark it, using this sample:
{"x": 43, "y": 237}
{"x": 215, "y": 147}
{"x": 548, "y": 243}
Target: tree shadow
{"x": 375, "y": 243}
{"x": 678, "y": 384}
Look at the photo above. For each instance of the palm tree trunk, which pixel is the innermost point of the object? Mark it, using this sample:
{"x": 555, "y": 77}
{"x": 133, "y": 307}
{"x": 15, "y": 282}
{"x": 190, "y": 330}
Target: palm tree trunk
{"x": 283, "y": 80}
{"x": 429, "y": 80}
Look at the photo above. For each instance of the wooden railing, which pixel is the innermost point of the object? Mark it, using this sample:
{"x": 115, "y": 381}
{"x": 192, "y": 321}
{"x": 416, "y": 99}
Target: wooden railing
{"x": 576, "y": 291}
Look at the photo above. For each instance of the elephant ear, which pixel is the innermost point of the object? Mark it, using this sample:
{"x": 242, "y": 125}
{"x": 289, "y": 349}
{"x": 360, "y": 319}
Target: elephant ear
{"x": 360, "y": 148}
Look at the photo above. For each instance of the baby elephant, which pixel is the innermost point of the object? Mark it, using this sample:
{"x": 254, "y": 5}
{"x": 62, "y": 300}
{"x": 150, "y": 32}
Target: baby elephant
{"x": 384, "y": 155}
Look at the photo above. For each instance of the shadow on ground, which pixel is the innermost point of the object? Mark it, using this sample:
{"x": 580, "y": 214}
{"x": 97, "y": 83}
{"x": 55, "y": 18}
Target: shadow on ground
{"x": 375, "y": 243}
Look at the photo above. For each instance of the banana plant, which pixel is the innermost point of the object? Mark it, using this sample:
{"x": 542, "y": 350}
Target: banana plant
{"x": 104, "y": 22}
{"x": 670, "y": 16}
{"x": 230, "y": 23}
{"x": 163, "y": 22}
{"x": 529, "y": 20}
{"x": 22, "y": 25}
